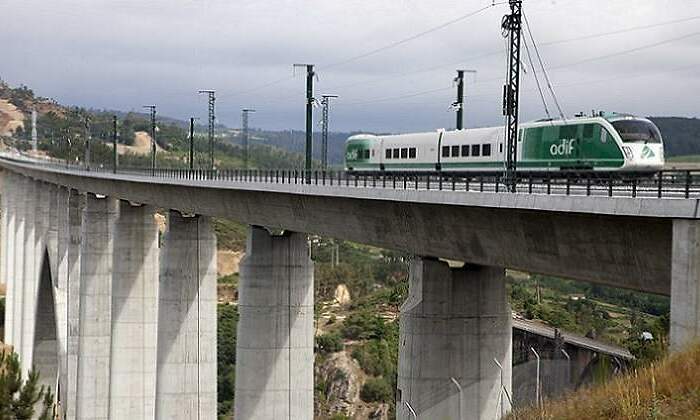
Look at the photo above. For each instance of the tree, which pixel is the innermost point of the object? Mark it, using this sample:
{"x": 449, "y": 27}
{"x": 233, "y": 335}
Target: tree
{"x": 18, "y": 398}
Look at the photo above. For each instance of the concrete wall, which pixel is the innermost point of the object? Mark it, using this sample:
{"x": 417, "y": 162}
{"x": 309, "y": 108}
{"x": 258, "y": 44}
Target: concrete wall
{"x": 275, "y": 339}
{"x": 186, "y": 359}
{"x": 96, "y": 265}
{"x": 134, "y": 314}
{"x": 685, "y": 285}
{"x": 453, "y": 327}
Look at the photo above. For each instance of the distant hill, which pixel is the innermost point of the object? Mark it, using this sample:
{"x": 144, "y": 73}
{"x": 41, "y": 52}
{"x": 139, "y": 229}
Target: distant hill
{"x": 681, "y": 135}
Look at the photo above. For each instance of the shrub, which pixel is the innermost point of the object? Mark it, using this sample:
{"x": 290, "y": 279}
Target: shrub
{"x": 329, "y": 343}
{"x": 376, "y": 390}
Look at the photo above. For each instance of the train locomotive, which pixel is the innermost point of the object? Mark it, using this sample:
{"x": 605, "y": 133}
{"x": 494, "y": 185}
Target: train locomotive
{"x": 603, "y": 143}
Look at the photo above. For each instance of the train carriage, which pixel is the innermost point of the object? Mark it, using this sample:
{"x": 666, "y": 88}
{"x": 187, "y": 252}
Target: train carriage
{"x": 607, "y": 142}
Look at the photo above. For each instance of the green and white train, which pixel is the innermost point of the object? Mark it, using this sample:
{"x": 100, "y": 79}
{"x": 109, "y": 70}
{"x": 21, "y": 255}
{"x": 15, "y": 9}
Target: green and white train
{"x": 606, "y": 142}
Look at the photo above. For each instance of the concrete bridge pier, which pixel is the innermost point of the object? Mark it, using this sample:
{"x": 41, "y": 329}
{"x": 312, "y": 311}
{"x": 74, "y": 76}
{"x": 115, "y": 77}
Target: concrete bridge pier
{"x": 186, "y": 354}
{"x": 96, "y": 264}
{"x": 9, "y": 205}
{"x": 30, "y": 275}
{"x": 454, "y": 326}
{"x": 134, "y": 313}
{"x": 69, "y": 271}
{"x": 685, "y": 284}
{"x": 274, "y": 348}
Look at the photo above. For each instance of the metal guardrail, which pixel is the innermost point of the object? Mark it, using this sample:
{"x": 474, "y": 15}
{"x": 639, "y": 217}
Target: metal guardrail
{"x": 662, "y": 184}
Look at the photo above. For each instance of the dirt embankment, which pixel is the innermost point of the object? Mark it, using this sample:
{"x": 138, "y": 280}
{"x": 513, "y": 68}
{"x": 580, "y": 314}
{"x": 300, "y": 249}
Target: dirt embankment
{"x": 11, "y": 118}
{"x": 141, "y": 146}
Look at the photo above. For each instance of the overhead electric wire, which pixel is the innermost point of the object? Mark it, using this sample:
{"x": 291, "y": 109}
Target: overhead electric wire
{"x": 537, "y": 80}
{"x": 410, "y": 38}
{"x": 490, "y": 54}
{"x": 544, "y": 70}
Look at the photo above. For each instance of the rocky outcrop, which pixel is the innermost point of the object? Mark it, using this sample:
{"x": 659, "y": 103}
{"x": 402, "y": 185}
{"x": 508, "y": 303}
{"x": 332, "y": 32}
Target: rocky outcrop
{"x": 342, "y": 380}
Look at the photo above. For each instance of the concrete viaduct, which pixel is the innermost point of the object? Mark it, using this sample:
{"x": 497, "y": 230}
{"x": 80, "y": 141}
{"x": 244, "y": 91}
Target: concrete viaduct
{"x": 124, "y": 323}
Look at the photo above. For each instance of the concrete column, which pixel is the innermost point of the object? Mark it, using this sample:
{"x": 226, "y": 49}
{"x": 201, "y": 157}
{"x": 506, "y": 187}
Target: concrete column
{"x": 186, "y": 360}
{"x": 454, "y": 324}
{"x": 685, "y": 284}
{"x": 274, "y": 348}
{"x": 69, "y": 271}
{"x": 19, "y": 255}
{"x": 30, "y": 278}
{"x": 134, "y": 313}
{"x": 97, "y": 238}
{"x": 59, "y": 225}
{"x": 9, "y": 204}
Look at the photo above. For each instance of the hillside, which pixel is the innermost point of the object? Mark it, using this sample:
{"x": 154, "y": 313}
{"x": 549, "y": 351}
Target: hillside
{"x": 667, "y": 390}
{"x": 681, "y": 135}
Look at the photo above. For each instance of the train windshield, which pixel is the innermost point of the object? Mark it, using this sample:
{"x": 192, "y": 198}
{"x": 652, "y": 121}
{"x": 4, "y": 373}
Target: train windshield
{"x": 637, "y": 131}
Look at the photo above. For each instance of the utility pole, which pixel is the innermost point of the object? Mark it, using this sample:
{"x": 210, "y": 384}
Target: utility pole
{"x": 212, "y": 119}
{"x": 511, "y": 26}
{"x": 309, "y": 116}
{"x": 114, "y": 143}
{"x": 325, "y": 101}
{"x": 458, "y": 105}
{"x": 244, "y": 126}
{"x": 192, "y": 142}
{"x": 87, "y": 142}
{"x": 152, "y": 109}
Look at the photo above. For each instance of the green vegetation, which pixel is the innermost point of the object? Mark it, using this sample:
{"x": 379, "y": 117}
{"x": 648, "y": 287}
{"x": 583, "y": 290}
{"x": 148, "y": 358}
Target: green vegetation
{"x": 230, "y": 235}
{"x": 610, "y": 314}
{"x": 377, "y": 390}
{"x": 18, "y": 399}
{"x": 226, "y": 358}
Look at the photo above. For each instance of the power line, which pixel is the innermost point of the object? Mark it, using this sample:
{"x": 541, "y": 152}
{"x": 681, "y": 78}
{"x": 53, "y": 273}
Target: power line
{"x": 494, "y": 53}
{"x": 537, "y": 80}
{"x": 410, "y": 38}
{"x": 544, "y": 70}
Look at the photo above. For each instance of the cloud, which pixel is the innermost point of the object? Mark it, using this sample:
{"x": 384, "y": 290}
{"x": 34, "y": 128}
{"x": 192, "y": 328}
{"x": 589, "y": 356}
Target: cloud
{"x": 121, "y": 54}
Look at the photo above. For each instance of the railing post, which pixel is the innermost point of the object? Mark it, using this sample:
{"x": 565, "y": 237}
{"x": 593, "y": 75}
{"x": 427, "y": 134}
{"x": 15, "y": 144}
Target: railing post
{"x": 383, "y": 180}
{"x": 634, "y": 187}
{"x": 427, "y": 182}
{"x": 568, "y": 184}
{"x": 610, "y": 187}
{"x": 529, "y": 184}
{"x": 481, "y": 183}
{"x": 453, "y": 182}
{"x": 549, "y": 184}
{"x": 661, "y": 182}
{"x": 588, "y": 185}
{"x": 497, "y": 182}
{"x": 688, "y": 178}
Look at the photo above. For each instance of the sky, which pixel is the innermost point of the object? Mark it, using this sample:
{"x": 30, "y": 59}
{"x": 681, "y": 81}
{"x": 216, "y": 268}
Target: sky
{"x": 392, "y": 62}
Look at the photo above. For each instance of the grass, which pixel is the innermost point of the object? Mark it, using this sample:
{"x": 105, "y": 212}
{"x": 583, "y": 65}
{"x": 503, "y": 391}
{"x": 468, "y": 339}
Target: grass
{"x": 684, "y": 158}
{"x": 669, "y": 390}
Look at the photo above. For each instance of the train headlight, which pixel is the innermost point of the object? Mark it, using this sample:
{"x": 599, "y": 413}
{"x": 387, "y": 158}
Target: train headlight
{"x": 628, "y": 152}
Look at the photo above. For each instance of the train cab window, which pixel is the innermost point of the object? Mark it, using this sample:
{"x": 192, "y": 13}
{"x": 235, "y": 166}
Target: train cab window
{"x": 412, "y": 153}
{"x": 588, "y": 131}
{"x": 486, "y": 150}
{"x": 465, "y": 150}
{"x": 396, "y": 153}
{"x": 455, "y": 151}
{"x": 404, "y": 153}
{"x": 387, "y": 154}
{"x": 366, "y": 153}
{"x": 445, "y": 151}
{"x": 476, "y": 149}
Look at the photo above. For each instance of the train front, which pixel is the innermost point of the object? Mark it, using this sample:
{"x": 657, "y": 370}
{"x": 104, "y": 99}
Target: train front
{"x": 642, "y": 144}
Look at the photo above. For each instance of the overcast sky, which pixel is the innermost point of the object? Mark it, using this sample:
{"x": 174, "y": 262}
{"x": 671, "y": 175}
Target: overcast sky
{"x": 124, "y": 54}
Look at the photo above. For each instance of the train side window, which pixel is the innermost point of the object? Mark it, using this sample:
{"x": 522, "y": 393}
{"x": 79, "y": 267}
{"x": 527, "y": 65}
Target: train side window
{"x": 412, "y": 153}
{"x": 500, "y": 148}
{"x": 465, "y": 150}
{"x": 486, "y": 150}
{"x": 445, "y": 151}
{"x": 366, "y": 153}
{"x": 476, "y": 149}
{"x": 404, "y": 153}
{"x": 455, "y": 151}
{"x": 372, "y": 152}
{"x": 396, "y": 153}
{"x": 387, "y": 154}
{"x": 603, "y": 135}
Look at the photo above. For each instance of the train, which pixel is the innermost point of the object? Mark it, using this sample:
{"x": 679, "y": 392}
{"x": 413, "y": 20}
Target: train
{"x": 604, "y": 142}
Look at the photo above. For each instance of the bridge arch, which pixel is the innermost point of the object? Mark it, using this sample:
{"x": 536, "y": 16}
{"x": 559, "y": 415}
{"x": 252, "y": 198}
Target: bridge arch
{"x": 45, "y": 351}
